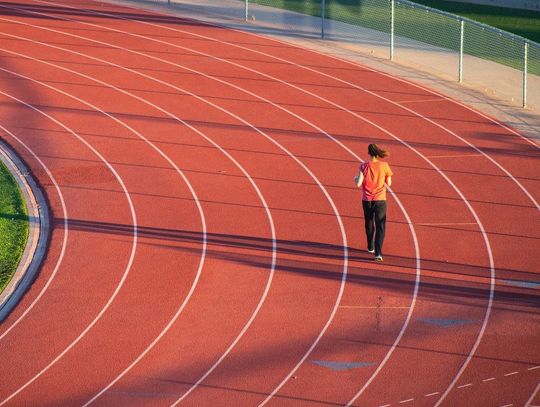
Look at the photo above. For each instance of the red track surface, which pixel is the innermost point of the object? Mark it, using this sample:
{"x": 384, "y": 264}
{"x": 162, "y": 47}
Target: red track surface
{"x": 207, "y": 245}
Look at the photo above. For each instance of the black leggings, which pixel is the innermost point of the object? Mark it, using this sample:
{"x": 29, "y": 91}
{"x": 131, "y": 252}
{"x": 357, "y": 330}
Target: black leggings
{"x": 375, "y": 217}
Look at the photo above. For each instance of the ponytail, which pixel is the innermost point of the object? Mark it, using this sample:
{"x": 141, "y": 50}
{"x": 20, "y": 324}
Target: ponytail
{"x": 375, "y": 151}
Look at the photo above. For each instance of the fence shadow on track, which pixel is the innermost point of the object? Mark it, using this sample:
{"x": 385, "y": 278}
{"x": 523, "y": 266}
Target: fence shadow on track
{"x": 320, "y": 260}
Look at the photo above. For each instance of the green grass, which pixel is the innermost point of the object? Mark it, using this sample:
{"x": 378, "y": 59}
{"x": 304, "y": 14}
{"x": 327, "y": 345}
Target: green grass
{"x": 525, "y": 23}
{"x": 13, "y": 226}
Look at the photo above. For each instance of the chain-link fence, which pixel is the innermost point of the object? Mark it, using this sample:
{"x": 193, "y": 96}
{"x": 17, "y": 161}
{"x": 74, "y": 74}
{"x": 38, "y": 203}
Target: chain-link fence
{"x": 444, "y": 44}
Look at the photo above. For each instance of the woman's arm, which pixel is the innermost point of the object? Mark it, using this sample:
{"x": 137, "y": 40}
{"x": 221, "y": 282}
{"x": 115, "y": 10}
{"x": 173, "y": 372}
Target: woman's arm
{"x": 389, "y": 181}
{"x": 359, "y": 179}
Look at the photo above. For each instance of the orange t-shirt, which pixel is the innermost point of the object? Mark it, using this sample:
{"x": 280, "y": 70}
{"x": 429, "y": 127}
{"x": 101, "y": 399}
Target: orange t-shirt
{"x": 375, "y": 175}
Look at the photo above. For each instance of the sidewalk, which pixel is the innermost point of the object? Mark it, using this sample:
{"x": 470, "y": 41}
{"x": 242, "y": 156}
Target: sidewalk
{"x": 483, "y": 89}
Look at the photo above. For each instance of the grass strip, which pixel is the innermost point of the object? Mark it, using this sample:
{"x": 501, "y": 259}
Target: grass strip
{"x": 14, "y": 225}
{"x": 525, "y": 23}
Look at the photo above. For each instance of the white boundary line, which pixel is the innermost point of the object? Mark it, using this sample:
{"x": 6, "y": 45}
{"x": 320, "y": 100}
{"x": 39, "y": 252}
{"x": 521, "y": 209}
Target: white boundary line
{"x": 133, "y": 248}
{"x": 203, "y": 255}
{"x": 169, "y": 44}
{"x": 259, "y": 193}
{"x": 491, "y": 293}
{"x": 277, "y": 144}
{"x": 486, "y": 240}
{"x": 64, "y": 240}
{"x": 533, "y": 395}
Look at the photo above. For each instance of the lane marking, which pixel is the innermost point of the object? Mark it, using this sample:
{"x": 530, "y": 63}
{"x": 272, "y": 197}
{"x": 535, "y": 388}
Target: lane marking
{"x": 489, "y": 379}
{"x": 274, "y": 240}
{"x": 65, "y": 226}
{"x": 369, "y": 307}
{"x": 133, "y": 248}
{"x": 422, "y": 100}
{"x": 399, "y": 203}
{"x": 511, "y": 374}
{"x": 332, "y": 138}
{"x": 528, "y": 403}
{"x": 534, "y": 368}
{"x": 454, "y": 156}
{"x": 406, "y": 401}
{"x": 340, "y": 366}
{"x": 465, "y": 385}
{"x": 432, "y": 394}
{"x": 446, "y": 224}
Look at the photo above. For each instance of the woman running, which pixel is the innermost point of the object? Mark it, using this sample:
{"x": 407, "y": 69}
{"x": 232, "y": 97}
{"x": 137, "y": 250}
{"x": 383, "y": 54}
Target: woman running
{"x": 374, "y": 177}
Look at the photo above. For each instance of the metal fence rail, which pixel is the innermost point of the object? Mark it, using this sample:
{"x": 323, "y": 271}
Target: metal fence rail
{"x": 445, "y": 44}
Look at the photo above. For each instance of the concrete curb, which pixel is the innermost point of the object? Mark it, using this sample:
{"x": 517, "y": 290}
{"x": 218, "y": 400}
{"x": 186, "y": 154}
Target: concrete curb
{"x": 38, "y": 233}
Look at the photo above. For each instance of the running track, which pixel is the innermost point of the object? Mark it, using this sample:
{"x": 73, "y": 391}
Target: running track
{"x": 207, "y": 245}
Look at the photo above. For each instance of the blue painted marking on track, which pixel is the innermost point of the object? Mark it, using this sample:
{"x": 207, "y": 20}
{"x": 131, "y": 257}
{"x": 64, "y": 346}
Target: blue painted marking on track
{"x": 446, "y": 323}
{"x": 523, "y": 284}
{"x": 339, "y": 366}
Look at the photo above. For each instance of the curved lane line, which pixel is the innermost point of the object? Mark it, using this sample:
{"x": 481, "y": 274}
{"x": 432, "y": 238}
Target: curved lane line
{"x": 64, "y": 240}
{"x": 133, "y": 248}
{"x": 338, "y": 217}
{"x": 203, "y": 221}
{"x": 329, "y": 136}
{"x": 414, "y": 112}
{"x": 484, "y": 234}
{"x": 259, "y": 193}
{"x": 486, "y": 240}
{"x": 528, "y": 403}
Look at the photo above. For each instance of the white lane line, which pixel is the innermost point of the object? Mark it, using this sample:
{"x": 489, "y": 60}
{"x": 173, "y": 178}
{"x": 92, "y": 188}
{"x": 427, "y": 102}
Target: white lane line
{"x": 508, "y": 405}
{"x": 65, "y": 226}
{"x": 486, "y": 240}
{"x": 397, "y": 200}
{"x": 454, "y": 156}
{"x": 415, "y": 293}
{"x": 528, "y": 403}
{"x": 133, "y": 248}
{"x": 369, "y": 307}
{"x": 432, "y": 394}
{"x": 194, "y": 284}
{"x": 345, "y": 245}
{"x": 457, "y": 190}
{"x": 464, "y": 386}
{"x": 534, "y": 368}
{"x": 444, "y": 128}
{"x": 511, "y": 374}
{"x": 489, "y": 379}
{"x": 446, "y": 224}
{"x": 406, "y": 401}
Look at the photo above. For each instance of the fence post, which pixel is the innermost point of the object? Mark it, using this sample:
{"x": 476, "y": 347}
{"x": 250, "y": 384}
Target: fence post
{"x": 323, "y": 10}
{"x": 525, "y": 57}
{"x": 460, "y": 69}
{"x": 392, "y": 30}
